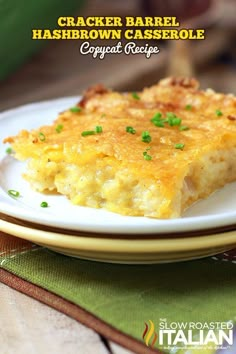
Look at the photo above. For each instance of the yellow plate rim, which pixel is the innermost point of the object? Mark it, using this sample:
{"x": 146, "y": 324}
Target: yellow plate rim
{"x": 116, "y": 245}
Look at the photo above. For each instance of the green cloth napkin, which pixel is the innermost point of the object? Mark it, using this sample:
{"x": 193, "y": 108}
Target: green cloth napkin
{"x": 128, "y": 296}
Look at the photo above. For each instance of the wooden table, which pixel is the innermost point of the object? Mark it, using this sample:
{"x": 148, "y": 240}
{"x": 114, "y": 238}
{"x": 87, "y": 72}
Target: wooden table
{"x": 28, "y": 326}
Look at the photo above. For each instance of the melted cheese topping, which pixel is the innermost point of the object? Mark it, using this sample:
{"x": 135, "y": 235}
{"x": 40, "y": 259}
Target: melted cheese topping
{"x": 108, "y": 170}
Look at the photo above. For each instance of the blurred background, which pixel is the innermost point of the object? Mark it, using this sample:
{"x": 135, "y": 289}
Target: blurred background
{"x": 38, "y": 70}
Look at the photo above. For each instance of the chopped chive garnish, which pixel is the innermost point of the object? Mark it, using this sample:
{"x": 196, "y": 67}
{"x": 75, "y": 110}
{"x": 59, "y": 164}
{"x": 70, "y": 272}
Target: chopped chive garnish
{"x": 135, "y": 96}
{"x": 157, "y": 120}
{"x": 173, "y": 120}
{"x": 188, "y": 107}
{"x": 44, "y": 205}
{"x": 179, "y": 146}
{"x": 9, "y": 150}
{"x": 219, "y": 113}
{"x": 98, "y": 129}
{"x": 146, "y": 156}
{"x": 146, "y": 137}
{"x": 75, "y": 109}
{"x": 158, "y": 123}
{"x": 59, "y": 128}
{"x": 88, "y": 132}
{"x": 13, "y": 193}
{"x": 170, "y": 115}
{"x": 183, "y": 127}
{"x": 130, "y": 130}
{"x": 42, "y": 136}
{"x": 157, "y": 116}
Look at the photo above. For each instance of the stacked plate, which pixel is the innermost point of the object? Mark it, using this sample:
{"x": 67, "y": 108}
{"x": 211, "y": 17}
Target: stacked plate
{"x": 207, "y": 228}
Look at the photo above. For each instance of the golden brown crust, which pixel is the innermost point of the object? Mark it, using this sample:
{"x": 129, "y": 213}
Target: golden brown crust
{"x": 231, "y": 117}
{"x": 115, "y": 111}
{"x": 112, "y": 164}
{"x": 92, "y": 91}
{"x": 185, "y": 82}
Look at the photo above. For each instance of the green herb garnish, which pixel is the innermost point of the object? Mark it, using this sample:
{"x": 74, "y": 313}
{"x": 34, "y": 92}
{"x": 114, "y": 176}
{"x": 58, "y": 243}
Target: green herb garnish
{"x": 135, "y": 96}
{"x": 188, "y": 107}
{"x": 13, "y": 193}
{"x": 179, "y": 146}
{"x": 130, "y": 130}
{"x": 219, "y": 113}
{"x": 98, "y": 129}
{"x": 146, "y": 137}
{"x": 146, "y": 156}
{"x": 76, "y": 109}
{"x": 157, "y": 116}
{"x": 173, "y": 120}
{"x": 9, "y": 151}
{"x": 44, "y": 205}
{"x": 59, "y": 128}
{"x": 88, "y": 132}
{"x": 42, "y": 136}
{"x": 158, "y": 121}
{"x": 183, "y": 127}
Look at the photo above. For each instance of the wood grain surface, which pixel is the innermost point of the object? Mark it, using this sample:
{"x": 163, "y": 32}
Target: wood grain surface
{"x": 28, "y": 326}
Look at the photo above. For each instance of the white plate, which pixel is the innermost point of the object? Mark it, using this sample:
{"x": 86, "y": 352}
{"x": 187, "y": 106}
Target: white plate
{"x": 216, "y": 211}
